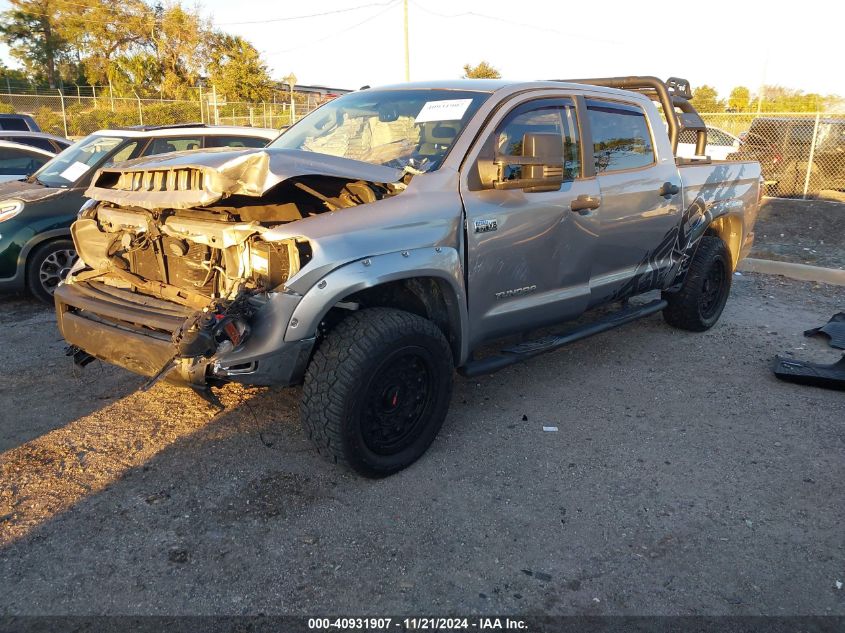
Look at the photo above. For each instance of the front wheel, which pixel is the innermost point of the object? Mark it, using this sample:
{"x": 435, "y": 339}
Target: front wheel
{"x": 48, "y": 265}
{"x": 698, "y": 305}
{"x": 377, "y": 390}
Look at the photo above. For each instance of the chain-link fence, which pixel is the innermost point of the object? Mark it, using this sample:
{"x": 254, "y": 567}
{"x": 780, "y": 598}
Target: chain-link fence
{"x": 76, "y": 113}
{"x": 802, "y": 154}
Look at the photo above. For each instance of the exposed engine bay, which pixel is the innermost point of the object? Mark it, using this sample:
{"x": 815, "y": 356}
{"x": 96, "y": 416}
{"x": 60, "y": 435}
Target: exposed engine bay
{"x": 210, "y": 265}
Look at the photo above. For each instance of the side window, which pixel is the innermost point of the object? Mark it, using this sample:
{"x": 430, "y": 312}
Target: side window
{"x": 14, "y": 123}
{"x": 235, "y": 141}
{"x": 621, "y": 138}
{"x": 534, "y": 118}
{"x": 34, "y": 141}
{"x": 173, "y": 144}
{"x": 124, "y": 153}
{"x": 19, "y": 162}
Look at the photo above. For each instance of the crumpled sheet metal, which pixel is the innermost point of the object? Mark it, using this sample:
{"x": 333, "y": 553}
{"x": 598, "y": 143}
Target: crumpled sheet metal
{"x": 833, "y": 329}
{"x": 165, "y": 181}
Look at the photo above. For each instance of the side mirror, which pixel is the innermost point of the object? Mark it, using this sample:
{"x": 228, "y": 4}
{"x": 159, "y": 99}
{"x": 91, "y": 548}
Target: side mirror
{"x": 539, "y": 167}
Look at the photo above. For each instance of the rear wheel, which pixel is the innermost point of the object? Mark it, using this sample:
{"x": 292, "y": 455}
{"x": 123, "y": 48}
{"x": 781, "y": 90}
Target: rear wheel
{"x": 47, "y": 265}
{"x": 377, "y": 390}
{"x": 698, "y": 305}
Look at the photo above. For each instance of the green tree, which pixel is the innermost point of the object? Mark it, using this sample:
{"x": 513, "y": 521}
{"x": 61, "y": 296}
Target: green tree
{"x": 739, "y": 99}
{"x": 481, "y": 71}
{"x": 180, "y": 36}
{"x": 104, "y": 30}
{"x": 706, "y": 99}
{"x": 31, "y": 30}
{"x": 236, "y": 69}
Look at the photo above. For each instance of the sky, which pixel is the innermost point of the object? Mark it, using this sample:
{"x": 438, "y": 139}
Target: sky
{"x": 720, "y": 43}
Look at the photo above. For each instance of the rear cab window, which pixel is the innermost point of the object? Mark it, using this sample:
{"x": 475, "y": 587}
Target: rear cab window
{"x": 621, "y": 136}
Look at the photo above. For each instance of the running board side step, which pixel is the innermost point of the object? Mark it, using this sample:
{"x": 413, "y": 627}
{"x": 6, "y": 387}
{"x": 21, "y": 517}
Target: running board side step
{"x": 530, "y": 349}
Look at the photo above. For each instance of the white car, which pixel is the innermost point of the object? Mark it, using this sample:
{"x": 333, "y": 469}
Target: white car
{"x": 719, "y": 144}
{"x": 19, "y": 161}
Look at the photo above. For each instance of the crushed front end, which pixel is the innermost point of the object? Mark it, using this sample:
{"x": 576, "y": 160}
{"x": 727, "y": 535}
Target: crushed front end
{"x": 182, "y": 297}
{"x": 175, "y": 280}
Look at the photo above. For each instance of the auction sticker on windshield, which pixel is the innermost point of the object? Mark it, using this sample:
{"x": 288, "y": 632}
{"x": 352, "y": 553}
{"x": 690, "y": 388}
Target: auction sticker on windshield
{"x": 74, "y": 171}
{"x": 448, "y": 110}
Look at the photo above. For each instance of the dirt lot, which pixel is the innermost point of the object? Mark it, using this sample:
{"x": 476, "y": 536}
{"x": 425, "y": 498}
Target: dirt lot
{"x": 801, "y": 231}
{"x": 684, "y": 479}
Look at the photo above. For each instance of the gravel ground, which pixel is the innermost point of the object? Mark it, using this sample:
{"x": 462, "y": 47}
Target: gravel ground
{"x": 801, "y": 231}
{"x": 683, "y": 479}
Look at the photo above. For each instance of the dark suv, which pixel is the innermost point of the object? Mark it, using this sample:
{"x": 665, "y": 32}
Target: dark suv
{"x": 783, "y": 146}
{"x": 18, "y": 123}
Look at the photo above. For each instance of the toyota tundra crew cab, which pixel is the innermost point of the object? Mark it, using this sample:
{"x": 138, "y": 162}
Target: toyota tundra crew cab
{"x": 374, "y": 247}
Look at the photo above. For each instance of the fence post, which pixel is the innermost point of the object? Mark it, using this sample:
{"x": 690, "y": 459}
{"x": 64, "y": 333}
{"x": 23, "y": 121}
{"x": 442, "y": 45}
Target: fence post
{"x": 216, "y": 112}
{"x": 94, "y": 91}
{"x": 64, "y": 114}
{"x": 202, "y": 114}
{"x": 111, "y": 96}
{"x": 140, "y": 111}
{"x": 812, "y": 153}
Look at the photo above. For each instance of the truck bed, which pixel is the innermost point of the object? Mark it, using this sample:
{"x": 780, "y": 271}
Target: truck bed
{"x": 729, "y": 188}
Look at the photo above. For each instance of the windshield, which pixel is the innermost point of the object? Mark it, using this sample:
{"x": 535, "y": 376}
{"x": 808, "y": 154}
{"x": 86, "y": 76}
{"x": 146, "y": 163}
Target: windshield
{"x": 396, "y": 128}
{"x": 71, "y": 164}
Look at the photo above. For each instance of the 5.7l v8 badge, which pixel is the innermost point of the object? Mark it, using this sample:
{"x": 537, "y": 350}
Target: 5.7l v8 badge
{"x": 485, "y": 226}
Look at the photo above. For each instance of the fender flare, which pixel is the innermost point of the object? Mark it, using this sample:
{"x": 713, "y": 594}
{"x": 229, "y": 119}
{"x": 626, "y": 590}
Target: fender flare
{"x": 724, "y": 217}
{"x": 443, "y": 263}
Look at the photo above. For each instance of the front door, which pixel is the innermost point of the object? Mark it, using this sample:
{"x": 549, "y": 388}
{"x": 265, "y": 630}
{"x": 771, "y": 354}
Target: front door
{"x": 529, "y": 253}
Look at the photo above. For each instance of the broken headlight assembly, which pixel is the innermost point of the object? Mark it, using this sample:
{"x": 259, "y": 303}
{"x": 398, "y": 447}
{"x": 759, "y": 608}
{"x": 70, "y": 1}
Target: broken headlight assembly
{"x": 10, "y": 208}
{"x": 273, "y": 263}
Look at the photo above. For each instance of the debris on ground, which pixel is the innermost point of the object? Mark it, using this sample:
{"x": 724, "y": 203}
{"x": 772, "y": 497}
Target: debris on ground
{"x": 834, "y": 330}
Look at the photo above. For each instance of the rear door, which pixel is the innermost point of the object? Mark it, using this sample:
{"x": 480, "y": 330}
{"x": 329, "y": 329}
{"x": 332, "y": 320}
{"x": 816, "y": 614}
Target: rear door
{"x": 639, "y": 214}
{"x": 528, "y": 253}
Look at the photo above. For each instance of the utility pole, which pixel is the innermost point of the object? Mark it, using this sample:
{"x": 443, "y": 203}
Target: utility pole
{"x": 290, "y": 80}
{"x": 761, "y": 93}
{"x": 407, "y": 63}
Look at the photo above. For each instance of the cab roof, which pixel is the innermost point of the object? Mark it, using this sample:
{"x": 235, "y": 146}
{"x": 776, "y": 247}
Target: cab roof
{"x": 492, "y": 85}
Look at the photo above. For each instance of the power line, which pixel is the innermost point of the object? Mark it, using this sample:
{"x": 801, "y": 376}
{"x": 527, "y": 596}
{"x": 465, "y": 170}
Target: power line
{"x": 475, "y": 14}
{"x": 151, "y": 14}
{"x": 312, "y": 15}
{"x": 390, "y": 5}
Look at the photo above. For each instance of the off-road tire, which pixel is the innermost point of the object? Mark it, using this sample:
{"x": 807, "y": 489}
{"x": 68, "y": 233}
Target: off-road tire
{"x": 59, "y": 251}
{"x": 377, "y": 371}
{"x": 698, "y": 305}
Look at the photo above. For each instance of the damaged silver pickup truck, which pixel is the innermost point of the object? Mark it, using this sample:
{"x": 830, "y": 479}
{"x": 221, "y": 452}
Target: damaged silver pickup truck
{"x": 378, "y": 243}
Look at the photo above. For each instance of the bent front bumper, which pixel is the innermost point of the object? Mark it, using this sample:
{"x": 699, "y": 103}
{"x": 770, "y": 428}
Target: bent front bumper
{"x": 135, "y": 332}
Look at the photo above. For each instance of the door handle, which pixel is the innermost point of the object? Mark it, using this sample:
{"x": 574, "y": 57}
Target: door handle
{"x": 583, "y": 204}
{"x": 668, "y": 189}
